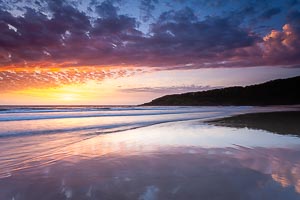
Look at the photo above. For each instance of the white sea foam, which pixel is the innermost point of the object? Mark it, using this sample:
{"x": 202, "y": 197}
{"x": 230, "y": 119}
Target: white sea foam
{"x": 40, "y": 120}
{"x": 19, "y": 121}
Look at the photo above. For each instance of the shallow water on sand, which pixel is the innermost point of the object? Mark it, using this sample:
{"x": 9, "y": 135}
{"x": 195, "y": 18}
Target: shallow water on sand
{"x": 143, "y": 153}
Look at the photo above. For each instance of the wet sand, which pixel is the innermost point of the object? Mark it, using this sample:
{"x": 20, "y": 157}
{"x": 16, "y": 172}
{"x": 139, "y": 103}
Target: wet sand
{"x": 285, "y": 122}
{"x": 182, "y": 173}
{"x": 188, "y": 159}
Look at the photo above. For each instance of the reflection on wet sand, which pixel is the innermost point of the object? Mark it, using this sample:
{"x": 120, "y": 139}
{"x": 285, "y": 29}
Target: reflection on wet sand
{"x": 181, "y": 160}
{"x": 284, "y": 123}
{"x": 183, "y": 174}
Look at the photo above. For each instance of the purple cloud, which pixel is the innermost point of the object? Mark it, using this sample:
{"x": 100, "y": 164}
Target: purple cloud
{"x": 68, "y": 37}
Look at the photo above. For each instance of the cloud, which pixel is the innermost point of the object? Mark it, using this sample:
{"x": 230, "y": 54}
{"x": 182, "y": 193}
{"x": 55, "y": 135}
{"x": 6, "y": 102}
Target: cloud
{"x": 270, "y": 13}
{"x": 180, "y": 38}
{"x": 147, "y": 7}
{"x": 283, "y": 46}
{"x": 177, "y": 38}
{"x": 22, "y": 78}
{"x": 171, "y": 89}
{"x": 107, "y": 10}
{"x": 60, "y": 35}
{"x": 70, "y": 35}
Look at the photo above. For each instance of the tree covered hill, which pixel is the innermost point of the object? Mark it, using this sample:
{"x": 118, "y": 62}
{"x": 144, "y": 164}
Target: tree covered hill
{"x": 275, "y": 92}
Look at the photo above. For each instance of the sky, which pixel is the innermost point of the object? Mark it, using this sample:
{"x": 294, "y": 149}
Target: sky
{"x": 116, "y": 52}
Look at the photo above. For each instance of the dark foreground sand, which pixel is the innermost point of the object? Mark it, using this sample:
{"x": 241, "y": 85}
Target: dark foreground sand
{"x": 284, "y": 123}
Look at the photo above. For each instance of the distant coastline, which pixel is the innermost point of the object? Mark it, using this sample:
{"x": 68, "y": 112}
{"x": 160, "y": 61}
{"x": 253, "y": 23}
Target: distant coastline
{"x": 275, "y": 92}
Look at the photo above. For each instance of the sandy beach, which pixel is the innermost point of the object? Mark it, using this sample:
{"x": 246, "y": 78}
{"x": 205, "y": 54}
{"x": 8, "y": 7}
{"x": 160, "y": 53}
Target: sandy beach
{"x": 181, "y": 158}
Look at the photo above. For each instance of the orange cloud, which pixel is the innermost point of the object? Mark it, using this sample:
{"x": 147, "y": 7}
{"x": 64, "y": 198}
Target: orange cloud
{"x": 282, "y": 46}
{"x": 40, "y": 77}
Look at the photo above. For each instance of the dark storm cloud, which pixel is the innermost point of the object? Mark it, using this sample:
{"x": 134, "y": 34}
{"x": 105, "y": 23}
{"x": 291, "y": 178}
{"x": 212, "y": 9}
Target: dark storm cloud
{"x": 67, "y": 36}
{"x": 147, "y": 7}
{"x": 270, "y": 13}
{"x": 293, "y": 17}
{"x": 215, "y": 33}
{"x": 107, "y": 10}
{"x": 215, "y": 3}
{"x": 293, "y": 2}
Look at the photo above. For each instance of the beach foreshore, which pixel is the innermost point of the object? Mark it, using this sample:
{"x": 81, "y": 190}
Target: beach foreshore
{"x": 184, "y": 157}
{"x": 282, "y": 122}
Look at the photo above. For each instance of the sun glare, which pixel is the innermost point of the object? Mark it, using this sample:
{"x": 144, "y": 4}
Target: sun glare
{"x": 68, "y": 97}
{"x": 88, "y": 93}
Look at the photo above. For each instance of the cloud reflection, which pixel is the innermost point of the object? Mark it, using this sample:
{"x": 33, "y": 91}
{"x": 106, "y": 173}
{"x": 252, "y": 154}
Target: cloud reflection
{"x": 152, "y": 163}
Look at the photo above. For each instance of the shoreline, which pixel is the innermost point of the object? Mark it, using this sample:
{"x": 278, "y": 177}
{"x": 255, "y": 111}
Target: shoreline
{"x": 279, "y": 122}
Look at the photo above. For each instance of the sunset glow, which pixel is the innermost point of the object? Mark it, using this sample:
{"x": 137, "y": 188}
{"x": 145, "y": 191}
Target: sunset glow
{"x": 51, "y": 51}
{"x": 149, "y": 99}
